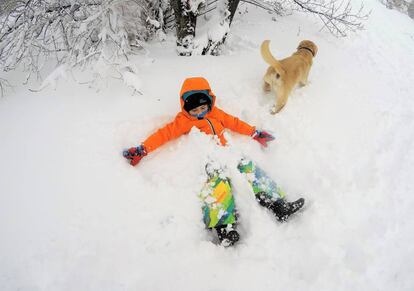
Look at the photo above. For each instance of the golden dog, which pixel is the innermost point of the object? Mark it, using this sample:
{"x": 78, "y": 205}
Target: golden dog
{"x": 282, "y": 76}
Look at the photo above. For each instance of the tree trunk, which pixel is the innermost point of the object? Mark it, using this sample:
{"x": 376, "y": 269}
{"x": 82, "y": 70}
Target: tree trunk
{"x": 232, "y": 5}
{"x": 185, "y": 24}
{"x": 214, "y": 46}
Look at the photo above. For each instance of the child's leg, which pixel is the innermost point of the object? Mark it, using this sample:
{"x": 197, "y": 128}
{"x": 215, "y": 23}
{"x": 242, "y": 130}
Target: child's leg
{"x": 267, "y": 192}
{"x": 259, "y": 181}
{"x": 218, "y": 202}
{"x": 218, "y": 207}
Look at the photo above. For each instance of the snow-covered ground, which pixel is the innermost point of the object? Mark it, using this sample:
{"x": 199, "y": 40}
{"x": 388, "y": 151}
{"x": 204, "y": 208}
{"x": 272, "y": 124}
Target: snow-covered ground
{"x": 74, "y": 215}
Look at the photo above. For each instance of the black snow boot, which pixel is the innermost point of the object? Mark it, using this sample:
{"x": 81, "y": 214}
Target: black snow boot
{"x": 227, "y": 235}
{"x": 281, "y": 208}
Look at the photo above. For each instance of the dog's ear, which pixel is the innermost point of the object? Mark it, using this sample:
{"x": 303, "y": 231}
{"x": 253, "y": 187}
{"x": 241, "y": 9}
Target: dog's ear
{"x": 301, "y": 44}
{"x": 310, "y": 45}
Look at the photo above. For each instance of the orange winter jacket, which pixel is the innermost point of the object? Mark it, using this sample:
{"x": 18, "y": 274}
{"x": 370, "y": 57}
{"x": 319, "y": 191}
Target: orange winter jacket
{"x": 214, "y": 122}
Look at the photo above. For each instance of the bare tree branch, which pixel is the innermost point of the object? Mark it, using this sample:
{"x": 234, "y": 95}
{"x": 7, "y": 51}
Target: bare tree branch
{"x": 75, "y": 31}
{"x": 338, "y": 17}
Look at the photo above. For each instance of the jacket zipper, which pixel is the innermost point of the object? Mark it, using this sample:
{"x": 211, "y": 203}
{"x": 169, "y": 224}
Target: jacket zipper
{"x": 211, "y": 125}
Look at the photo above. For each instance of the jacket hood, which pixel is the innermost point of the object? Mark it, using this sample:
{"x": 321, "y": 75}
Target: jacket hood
{"x": 197, "y": 84}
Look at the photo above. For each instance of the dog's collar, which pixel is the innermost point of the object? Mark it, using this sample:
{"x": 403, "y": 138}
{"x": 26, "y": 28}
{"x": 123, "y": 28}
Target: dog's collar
{"x": 306, "y": 48}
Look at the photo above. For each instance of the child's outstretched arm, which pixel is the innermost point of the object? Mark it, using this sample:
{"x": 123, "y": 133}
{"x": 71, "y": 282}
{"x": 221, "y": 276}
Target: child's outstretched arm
{"x": 167, "y": 133}
{"x": 235, "y": 124}
{"x": 163, "y": 135}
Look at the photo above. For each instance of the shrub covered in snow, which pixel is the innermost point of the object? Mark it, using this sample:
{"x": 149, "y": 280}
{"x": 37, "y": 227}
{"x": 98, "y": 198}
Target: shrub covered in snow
{"x": 75, "y": 32}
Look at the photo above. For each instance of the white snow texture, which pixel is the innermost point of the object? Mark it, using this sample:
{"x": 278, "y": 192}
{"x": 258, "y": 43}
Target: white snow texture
{"x": 75, "y": 216}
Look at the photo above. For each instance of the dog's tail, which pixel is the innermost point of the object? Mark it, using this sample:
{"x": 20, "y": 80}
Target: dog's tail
{"x": 268, "y": 57}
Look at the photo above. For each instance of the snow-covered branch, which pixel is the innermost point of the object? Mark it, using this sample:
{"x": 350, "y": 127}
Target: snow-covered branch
{"x": 404, "y": 6}
{"x": 338, "y": 17}
{"x": 75, "y": 32}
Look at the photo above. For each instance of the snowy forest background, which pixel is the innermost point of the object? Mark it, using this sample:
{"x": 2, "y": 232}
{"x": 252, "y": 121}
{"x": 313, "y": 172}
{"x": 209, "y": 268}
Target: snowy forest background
{"x": 82, "y": 80}
{"x": 75, "y": 33}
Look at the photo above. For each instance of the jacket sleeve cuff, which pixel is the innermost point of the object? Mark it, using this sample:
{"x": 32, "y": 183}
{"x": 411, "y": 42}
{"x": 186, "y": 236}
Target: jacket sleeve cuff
{"x": 253, "y": 131}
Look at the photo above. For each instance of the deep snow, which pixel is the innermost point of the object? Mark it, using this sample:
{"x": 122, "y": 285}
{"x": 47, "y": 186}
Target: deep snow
{"x": 75, "y": 216}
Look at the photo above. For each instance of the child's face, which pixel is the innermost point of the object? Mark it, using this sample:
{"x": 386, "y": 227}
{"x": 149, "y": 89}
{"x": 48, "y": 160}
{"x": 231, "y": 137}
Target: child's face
{"x": 198, "y": 110}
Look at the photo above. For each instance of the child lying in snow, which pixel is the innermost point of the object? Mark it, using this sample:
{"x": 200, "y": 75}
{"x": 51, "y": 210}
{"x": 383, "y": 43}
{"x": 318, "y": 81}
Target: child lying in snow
{"x": 198, "y": 109}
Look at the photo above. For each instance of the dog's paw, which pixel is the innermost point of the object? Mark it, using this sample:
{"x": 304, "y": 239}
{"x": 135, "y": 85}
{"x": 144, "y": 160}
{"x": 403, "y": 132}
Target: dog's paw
{"x": 276, "y": 108}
